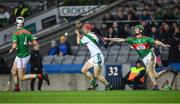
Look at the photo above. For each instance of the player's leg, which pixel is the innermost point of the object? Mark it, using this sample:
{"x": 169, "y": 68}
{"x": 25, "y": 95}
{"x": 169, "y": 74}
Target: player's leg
{"x": 151, "y": 75}
{"x": 23, "y": 76}
{"x": 32, "y": 84}
{"x": 22, "y": 62}
{"x": 85, "y": 70}
{"x": 97, "y": 75}
{"x": 98, "y": 63}
{"x": 40, "y": 84}
{"x": 14, "y": 72}
{"x": 150, "y": 69}
{"x": 40, "y": 71}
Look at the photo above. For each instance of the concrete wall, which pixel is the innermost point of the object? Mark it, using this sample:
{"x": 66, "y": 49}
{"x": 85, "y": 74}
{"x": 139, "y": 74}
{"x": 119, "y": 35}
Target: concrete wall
{"x": 79, "y": 82}
{"x": 57, "y": 82}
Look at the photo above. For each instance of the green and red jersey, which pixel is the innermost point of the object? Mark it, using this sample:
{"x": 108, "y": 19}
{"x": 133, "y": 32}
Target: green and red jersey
{"x": 22, "y": 37}
{"x": 142, "y": 45}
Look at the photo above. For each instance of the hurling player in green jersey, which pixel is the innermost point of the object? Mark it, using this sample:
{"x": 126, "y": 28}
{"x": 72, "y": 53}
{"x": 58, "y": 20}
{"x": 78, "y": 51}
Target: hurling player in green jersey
{"x": 21, "y": 39}
{"x": 142, "y": 45}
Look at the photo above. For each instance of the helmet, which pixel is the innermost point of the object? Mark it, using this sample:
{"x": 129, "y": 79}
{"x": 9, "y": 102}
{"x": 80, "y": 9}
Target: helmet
{"x": 139, "y": 61}
{"x": 140, "y": 27}
{"x": 87, "y": 26}
{"x": 20, "y": 20}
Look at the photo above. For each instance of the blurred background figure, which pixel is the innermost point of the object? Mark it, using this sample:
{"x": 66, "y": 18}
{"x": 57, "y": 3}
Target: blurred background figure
{"x": 63, "y": 47}
{"x": 4, "y": 69}
{"x": 135, "y": 76}
{"x": 4, "y": 16}
{"x": 95, "y": 29}
{"x": 174, "y": 50}
{"x": 36, "y": 66}
{"x": 54, "y": 49}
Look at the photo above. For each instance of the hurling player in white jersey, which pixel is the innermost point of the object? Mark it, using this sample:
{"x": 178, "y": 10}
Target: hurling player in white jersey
{"x": 96, "y": 60}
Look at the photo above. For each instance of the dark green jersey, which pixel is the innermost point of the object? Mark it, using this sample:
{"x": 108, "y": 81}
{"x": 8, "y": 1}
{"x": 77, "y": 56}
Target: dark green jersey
{"x": 142, "y": 45}
{"x": 22, "y": 37}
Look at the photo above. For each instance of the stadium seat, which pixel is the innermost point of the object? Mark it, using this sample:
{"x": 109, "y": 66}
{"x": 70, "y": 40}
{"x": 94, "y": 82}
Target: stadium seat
{"x": 115, "y": 47}
{"x": 83, "y": 48}
{"x": 105, "y": 52}
{"x": 124, "y": 50}
{"x": 74, "y": 49}
{"x": 48, "y": 59}
{"x": 79, "y": 60}
{"x": 58, "y": 60}
{"x": 113, "y": 52}
{"x": 111, "y": 60}
{"x": 122, "y": 59}
{"x": 68, "y": 59}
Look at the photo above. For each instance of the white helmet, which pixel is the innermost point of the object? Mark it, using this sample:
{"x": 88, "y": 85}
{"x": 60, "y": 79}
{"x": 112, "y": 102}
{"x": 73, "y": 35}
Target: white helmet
{"x": 20, "y": 21}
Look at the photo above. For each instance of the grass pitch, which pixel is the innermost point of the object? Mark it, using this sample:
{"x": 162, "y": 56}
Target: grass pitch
{"x": 91, "y": 97}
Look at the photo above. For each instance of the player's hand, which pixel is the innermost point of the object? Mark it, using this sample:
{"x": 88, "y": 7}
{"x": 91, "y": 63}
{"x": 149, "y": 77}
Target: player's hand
{"x": 11, "y": 50}
{"x": 77, "y": 31}
{"x": 104, "y": 38}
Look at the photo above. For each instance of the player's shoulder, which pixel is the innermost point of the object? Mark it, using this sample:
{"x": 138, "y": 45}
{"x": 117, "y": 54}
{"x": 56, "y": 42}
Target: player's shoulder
{"x": 22, "y": 31}
{"x": 147, "y": 37}
{"x": 130, "y": 38}
{"x": 26, "y": 31}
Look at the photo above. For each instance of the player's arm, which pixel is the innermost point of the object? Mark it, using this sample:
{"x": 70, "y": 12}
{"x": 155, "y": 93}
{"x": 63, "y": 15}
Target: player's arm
{"x": 78, "y": 36}
{"x": 115, "y": 39}
{"x": 161, "y": 43}
{"x": 14, "y": 44}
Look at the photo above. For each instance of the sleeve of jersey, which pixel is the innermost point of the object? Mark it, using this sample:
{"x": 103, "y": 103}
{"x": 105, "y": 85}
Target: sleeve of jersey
{"x": 129, "y": 40}
{"x": 83, "y": 40}
{"x": 31, "y": 37}
{"x": 151, "y": 40}
{"x": 14, "y": 38}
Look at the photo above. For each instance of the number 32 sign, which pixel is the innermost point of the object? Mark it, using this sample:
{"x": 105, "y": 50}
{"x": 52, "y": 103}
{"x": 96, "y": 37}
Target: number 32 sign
{"x": 113, "y": 75}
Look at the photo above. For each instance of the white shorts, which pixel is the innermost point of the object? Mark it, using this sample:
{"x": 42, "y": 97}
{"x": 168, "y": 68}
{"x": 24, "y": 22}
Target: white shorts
{"x": 150, "y": 57}
{"x": 97, "y": 59}
{"x": 22, "y": 62}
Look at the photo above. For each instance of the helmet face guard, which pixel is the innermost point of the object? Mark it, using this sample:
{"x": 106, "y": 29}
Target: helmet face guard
{"x": 20, "y": 21}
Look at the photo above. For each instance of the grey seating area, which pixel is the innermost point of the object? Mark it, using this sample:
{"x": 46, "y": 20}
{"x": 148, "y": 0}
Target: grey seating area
{"x": 115, "y": 54}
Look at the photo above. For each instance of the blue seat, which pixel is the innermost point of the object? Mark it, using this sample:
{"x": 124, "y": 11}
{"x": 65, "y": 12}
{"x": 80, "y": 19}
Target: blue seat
{"x": 61, "y": 68}
{"x": 175, "y": 66}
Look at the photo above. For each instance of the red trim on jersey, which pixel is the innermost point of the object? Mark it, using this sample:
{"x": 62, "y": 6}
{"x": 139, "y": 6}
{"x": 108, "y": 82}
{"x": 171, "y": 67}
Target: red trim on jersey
{"x": 23, "y": 31}
{"x": 141, "y": 46}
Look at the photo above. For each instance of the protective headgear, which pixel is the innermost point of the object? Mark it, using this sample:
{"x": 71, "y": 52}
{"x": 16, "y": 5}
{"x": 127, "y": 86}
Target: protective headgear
{"x": 139, "y": 61}
{"x": 87, "y": 26}
{"x": 140, "y": 27}
{"x": 20, "y": 20}
{"x": 35, "y": 38}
